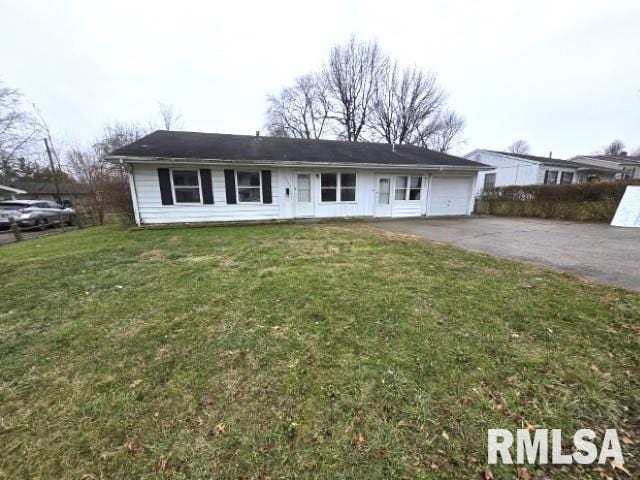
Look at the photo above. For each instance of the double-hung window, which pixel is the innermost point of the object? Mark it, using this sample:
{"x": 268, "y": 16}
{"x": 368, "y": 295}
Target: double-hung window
{"x": 347, "y": 187}
{"x": 186, "y": 186}
{"x": 566, "y": 178}
{"x": 628, "y": 173}
{"x": 551, "y": 177}
{"x": 489, "y": 181}
{"x": 337, "y": 187}
{"x": 249, "y": 187}
{"x": 408, "y": 187}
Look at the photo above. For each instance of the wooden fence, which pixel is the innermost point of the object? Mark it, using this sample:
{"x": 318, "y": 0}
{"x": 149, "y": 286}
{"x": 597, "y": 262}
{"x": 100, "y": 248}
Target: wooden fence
{"x": 78, "y": 220}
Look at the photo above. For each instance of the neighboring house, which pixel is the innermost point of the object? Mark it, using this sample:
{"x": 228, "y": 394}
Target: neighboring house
{"x": 519, "y": 169}
{"x": 626, "y": 167}
{"x": 71, "y": 192}
{"x": 208, "y": 177}
{"x": 9, "y": 193}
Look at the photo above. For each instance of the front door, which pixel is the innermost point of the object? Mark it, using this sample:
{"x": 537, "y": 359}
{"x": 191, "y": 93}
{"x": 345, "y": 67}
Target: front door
{"x": 383, "y": 196}
{"x": 303, "y": 196}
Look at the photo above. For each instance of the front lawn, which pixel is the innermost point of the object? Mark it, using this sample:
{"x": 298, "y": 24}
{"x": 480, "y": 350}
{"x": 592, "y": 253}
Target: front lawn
{"x": 298, "y": 351}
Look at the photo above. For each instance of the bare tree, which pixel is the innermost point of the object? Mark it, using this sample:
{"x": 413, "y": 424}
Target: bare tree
{"x": 444, "y": 133}
{"x": 405, "y": 104}
{"x": 116, "y": 135}
{"x": 108, "y": 182}
{"x": 360, "y": 94}
{"x": 19, "y": 130}
{"x": 614, "y": 149}
{"x": 519, "y": 147}
{"x": 300, "y": 111}
{"x": 351, "y": 75}
{"x": 170, "y": 118}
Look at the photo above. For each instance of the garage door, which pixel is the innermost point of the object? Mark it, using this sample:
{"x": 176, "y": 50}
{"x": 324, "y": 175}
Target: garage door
{"x": 449, "y": 195}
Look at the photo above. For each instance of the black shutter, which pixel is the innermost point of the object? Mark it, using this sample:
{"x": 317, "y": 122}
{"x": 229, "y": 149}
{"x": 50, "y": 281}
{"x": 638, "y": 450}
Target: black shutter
{"x": 546, "y": 176}
{"x": 230, "y": 185}
{"x": 165, "y": 186}
{"x": 207, "y": 187}
{"x": 266, "y": 186}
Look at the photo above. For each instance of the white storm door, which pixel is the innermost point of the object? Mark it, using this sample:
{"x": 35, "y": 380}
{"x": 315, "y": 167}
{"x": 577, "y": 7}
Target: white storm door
{"x": 304, "y": 201}
{"x": 382, "y": 195}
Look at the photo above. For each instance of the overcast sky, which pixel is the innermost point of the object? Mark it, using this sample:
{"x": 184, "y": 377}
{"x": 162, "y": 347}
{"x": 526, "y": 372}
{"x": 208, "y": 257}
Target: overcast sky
{"x": 564, "y": 75}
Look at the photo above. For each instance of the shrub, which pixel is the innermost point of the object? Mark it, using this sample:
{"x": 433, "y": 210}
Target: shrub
{"x": 584, "y": 202}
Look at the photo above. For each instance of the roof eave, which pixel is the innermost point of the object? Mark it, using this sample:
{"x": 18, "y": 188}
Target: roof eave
{"x": 270, "y": 163}
{"x": 16, "y": 191}
{"x": 514, "y": 157}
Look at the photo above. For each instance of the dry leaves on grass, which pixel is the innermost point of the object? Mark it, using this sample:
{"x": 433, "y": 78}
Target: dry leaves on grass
{"x": 160, "y": 465}
{"x": 280, "y": 330}
{"x": 133, "y": 448}
{"x": 597, "y": 371}
{"x": 160, "y": 353}
{"x": 206, "y": 401}
{"x": 217, "y": 431}
{"x": 523, "y": 474}
{"x": 197, "y": 423}
{"x": 130, "y": 446}
{"x": 360, "y": 443}
{"x": 135, "y": 383}
{"x": 619, "y": 466}
{"x": 153, "y": 256}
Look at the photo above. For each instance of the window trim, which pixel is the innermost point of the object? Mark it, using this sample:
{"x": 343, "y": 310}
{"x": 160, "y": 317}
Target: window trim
{"x": 338, "y": 189}
{"x": 408, "y": 188}
{"x": 484, "y": 184}
{"x": 631, "y": 171}
{"x": 566, "y": 173}
{"x": 238, "y": 187}
{"x": 173, "y": 187}
{"x": 548, "y": 174}
{"x": 310, "y": 175}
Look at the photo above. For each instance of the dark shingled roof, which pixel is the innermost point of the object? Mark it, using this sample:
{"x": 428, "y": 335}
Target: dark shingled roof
{"x": 217, "y": 146}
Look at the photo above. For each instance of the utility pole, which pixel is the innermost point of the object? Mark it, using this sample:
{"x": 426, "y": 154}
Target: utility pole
{"x": 53, "y": 171}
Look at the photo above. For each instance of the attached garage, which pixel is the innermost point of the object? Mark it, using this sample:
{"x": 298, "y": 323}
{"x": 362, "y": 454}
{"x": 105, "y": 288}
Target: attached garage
{"x": 450, "y": 195}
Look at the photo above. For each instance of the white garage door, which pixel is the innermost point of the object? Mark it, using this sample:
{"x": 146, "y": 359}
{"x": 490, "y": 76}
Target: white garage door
{"x": 450, "y": 195}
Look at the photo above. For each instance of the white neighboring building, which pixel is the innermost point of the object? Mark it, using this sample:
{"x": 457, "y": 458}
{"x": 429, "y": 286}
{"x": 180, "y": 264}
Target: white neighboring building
{"x": 183, "y": 177}
{"x": 519, "y": 169}
{"x": 626, "y": 167}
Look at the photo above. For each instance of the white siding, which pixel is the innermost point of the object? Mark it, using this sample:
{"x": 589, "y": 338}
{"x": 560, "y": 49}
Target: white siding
{"x": 151, "y": 210}
{"x": 509, "y": 171}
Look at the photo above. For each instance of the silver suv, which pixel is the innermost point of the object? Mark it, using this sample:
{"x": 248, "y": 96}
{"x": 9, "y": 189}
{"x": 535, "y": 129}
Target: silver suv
{"x": 34, "y": 213}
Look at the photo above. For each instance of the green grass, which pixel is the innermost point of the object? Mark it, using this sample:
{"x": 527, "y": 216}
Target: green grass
{"x": 297, "y": 351}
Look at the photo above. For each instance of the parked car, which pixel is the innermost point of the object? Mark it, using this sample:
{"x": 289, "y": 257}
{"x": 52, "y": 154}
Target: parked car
{"x": 34, "y": 213}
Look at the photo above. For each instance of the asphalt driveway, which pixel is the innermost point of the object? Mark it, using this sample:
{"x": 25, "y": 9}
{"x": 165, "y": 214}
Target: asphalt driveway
{"x": 597, "y": 252}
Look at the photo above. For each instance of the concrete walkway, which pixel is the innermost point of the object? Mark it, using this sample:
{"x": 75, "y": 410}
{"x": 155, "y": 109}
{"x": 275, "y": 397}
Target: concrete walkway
{"x": 599, "y": 252}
